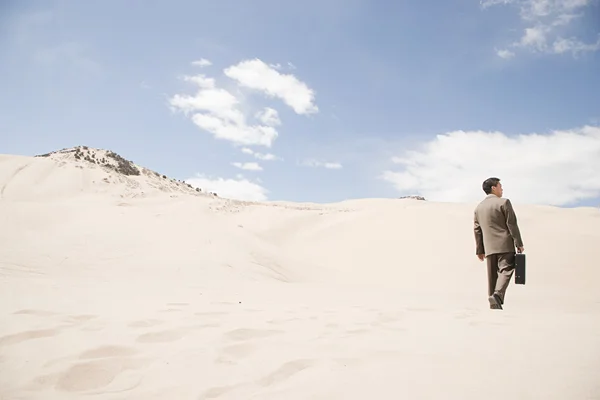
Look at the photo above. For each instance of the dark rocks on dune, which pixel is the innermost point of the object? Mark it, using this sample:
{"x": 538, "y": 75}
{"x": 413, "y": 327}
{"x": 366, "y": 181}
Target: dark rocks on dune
{"x": 413, "y": 197}
{"x": 124, "y": 166}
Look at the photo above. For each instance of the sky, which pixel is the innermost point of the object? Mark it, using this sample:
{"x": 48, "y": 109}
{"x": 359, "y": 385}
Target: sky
{"x": 320, "y": 101}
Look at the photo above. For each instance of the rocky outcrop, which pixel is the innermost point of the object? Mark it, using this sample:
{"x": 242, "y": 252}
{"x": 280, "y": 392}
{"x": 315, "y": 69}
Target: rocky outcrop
{"x": 413, "y": 197}
{"x": 112, "y": 162}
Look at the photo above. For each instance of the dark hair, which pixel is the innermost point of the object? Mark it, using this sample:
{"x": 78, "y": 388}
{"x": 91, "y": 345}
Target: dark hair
{"x": 488, "y": 184}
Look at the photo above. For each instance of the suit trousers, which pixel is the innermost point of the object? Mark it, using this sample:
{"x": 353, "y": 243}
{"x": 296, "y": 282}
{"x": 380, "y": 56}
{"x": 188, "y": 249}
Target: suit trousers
{"x": 500, "y": 268}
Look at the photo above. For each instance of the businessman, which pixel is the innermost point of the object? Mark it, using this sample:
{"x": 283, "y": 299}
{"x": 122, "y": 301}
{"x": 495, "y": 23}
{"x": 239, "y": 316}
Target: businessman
{"x": 496, "y": 236}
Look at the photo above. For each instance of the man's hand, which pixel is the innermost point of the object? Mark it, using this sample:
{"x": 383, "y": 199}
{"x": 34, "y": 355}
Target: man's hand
{"x": 481, "y": 257}
{"x": 520, "y": 249}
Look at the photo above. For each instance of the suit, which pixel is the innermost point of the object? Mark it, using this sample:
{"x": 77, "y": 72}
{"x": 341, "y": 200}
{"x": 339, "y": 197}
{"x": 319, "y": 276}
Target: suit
{"x": 496, "y": 235}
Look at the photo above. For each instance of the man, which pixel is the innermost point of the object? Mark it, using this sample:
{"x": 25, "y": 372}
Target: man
{"x": 496, "y": 236}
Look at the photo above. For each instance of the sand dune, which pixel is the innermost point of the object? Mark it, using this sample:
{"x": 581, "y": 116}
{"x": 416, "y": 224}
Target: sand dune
{"x": 139, "y": 287}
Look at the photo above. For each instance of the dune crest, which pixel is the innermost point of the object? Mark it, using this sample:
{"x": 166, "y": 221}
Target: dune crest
{"x": 121, "y": 283}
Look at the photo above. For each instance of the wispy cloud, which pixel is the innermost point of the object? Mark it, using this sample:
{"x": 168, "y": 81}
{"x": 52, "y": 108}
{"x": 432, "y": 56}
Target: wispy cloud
{"x": 574, "y": 46}
{"x": 260, "y": 156}
{"x": 203, "y": 62}
{"x": 506, "y": 54}
{"x": 256, "y": 74}
{"x": 550, "y": 26}
{"x": 320, "y": 164}
{"x": 269, "y": 116}
{"x": 560, "y": 168}
{"x": 248, "y": 166}
{"x": 218, "y": 111}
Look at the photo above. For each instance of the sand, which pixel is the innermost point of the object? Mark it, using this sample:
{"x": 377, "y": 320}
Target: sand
{"x": 123, "y": 290}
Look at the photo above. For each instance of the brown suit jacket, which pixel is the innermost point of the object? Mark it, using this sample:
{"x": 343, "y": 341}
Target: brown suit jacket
{"x": 495, "y": 226}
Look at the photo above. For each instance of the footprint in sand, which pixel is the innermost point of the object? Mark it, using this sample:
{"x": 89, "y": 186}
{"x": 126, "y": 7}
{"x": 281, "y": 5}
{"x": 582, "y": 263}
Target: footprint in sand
{"x": 286, "y": 371}
{"x": 161, "y": 336}
{"x": 27, "y": 335}
{"x": 238, "y": 350}
{"x": 218, "y": 391}
{"x": 97, "y": 374}
{"x": 233, "y": 353}
{"x": 98, "y": 367}
{"x": 108, "y": 351}
{"x": 145, "y": 323}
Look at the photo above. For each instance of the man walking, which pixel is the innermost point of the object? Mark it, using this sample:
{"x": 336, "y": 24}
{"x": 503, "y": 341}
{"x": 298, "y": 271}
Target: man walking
{"x": 496, "y": 236}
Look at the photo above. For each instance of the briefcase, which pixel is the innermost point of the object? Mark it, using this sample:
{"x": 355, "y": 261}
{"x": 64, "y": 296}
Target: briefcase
{"x": 520, "y": 268}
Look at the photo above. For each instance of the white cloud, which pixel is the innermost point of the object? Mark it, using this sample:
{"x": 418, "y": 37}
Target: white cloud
{"x": 249, "y": 166}
{"x": 239, "y": 189}
{"x": 202, "y": 63}
{"x": 534, "y": 37}
{"x": 506, "y": 54}
{"x": 548, "y": 22}
{"x": 269, "y": 116}
{"x": 489, "y": 3}
{"x": 324, "y": 164}
{"x": 257, "y": 75}
{"x": 574, "y": 46}
{"x": 560, "y": 168}
{"x": 218, "y": 111}
{"x": 201, "y": 80}
{"x": 260, "y": 156}
{"x": 266, "y": 157}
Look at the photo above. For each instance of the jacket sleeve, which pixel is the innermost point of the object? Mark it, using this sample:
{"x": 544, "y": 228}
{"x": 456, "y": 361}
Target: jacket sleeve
{"x": 511, "y": 223}
{"x": 479, "y": 248}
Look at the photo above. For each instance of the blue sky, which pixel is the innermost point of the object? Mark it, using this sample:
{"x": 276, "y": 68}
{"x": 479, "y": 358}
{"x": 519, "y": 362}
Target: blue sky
{"x": 367, "y": 98}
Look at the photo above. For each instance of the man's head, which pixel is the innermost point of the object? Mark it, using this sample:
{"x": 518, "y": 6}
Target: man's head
{"x": 492, "y": 186}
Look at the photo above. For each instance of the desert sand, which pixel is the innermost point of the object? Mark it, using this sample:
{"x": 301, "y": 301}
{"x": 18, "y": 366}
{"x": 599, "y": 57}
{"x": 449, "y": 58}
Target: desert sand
{"x": 139, "y": 287}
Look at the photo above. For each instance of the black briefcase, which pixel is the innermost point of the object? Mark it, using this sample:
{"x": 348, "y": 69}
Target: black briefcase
{"x": 520, "y": 268}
